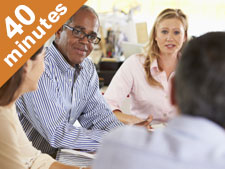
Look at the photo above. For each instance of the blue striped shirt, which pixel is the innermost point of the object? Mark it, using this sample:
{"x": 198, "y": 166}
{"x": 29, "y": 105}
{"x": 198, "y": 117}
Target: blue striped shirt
{"x": 65, "y": 94}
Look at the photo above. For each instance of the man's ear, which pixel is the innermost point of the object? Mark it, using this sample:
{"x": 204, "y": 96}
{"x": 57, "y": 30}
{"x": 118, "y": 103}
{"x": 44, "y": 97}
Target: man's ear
{"x": 59, "y": 31}
{"x": 172, "y": 92}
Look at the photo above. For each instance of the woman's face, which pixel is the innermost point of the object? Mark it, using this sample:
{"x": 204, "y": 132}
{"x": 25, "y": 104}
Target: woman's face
{"x": 36, "y": 68}
{"x": 170, "y": 36}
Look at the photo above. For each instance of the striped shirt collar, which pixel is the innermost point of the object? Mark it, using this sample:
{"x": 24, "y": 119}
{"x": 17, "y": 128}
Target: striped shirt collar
{"x": 61, "y": 62}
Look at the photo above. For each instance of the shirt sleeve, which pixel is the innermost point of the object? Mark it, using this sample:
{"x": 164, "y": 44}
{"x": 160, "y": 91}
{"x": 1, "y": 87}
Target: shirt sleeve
{"x": 10, "y": 157}
{"x": 121, "y": 85}
{"x": 48, "y": 116}
{"x": 97, "y": 113}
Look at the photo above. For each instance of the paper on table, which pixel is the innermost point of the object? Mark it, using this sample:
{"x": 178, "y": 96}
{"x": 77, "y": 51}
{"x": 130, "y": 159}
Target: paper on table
{"x": 157, "y": 126}
{"x": 75, "y": 152}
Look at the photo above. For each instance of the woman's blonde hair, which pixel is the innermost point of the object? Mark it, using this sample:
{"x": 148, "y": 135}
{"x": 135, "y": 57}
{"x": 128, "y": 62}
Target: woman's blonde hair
{"x": 152, "y": 49}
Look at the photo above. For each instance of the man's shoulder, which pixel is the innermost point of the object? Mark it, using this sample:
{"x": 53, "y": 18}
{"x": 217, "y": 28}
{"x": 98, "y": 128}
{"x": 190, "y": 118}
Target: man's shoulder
{"x": 50, "y": 65}
{"x": 51, "y": 58}
{"x": 131, "y": 136}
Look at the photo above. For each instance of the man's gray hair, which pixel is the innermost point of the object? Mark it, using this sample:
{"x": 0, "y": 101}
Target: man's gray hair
{"x": 83, "y": 7}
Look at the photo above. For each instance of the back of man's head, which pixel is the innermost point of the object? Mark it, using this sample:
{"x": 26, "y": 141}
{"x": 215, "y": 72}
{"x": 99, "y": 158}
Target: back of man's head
{"x": 200, "y": 78}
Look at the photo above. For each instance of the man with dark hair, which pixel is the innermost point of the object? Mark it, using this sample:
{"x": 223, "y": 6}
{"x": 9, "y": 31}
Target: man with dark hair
{"x": 195, "y": 139}
{"x": 199, "y": 82}
{"x": 68, "y": 91}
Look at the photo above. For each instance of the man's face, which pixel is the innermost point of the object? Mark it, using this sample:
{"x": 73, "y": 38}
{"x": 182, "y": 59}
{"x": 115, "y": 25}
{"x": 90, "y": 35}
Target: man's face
{"x": 75, "y": 50}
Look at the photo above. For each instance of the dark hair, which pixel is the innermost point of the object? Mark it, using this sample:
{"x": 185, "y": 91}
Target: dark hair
{"x": 199, "y": 79}
{"x": 8, "y": 90}
{"x": 83, "y": 7}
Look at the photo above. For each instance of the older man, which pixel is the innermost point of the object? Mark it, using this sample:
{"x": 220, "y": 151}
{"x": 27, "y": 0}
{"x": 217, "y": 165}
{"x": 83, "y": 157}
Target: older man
{"x": 68, "y": 91}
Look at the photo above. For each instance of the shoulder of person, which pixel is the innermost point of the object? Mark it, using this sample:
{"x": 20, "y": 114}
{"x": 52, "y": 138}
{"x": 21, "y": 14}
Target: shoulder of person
{"x": 6, "y": 120}
{"x": 136, "y": 58}
{"x": 128, "y": 135}
{"x": 49, "y": 68}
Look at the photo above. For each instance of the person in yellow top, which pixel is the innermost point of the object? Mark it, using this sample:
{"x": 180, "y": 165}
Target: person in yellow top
{"x": 16, "y": 151}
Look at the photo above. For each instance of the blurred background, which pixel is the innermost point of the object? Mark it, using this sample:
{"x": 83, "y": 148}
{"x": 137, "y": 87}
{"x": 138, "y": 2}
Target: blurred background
{"x": 204, "y": 15}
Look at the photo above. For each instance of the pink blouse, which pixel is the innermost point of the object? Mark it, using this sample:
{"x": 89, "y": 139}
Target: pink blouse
{"x": 131, "y": 80}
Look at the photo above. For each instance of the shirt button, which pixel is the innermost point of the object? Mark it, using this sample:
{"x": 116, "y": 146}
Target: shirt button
{"x": 164, "y": 114}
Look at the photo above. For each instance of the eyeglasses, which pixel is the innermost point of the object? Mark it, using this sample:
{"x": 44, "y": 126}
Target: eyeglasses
{"x": 92, "y": 38}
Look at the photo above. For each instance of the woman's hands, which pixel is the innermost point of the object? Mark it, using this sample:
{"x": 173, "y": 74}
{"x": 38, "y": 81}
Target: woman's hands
{"x": 133, "y": 120}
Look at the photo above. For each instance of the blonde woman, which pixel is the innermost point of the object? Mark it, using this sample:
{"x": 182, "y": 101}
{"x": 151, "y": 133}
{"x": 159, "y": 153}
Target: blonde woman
{"x": 146, "y": 77}
{"x": 16, "y": 152}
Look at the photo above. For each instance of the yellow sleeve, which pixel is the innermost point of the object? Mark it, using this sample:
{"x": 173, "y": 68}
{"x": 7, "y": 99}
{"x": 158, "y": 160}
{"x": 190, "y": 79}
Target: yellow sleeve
{"x": 10, "y": 156}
